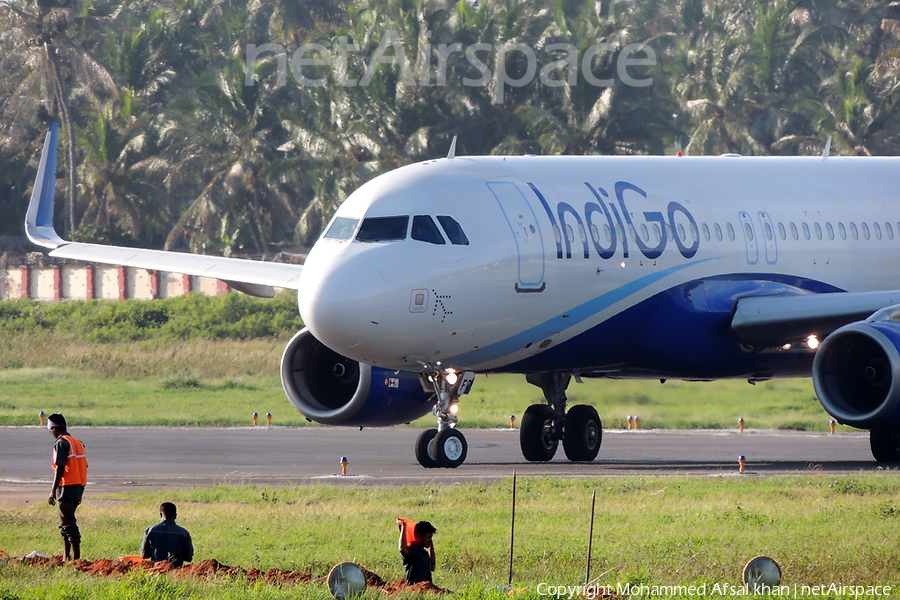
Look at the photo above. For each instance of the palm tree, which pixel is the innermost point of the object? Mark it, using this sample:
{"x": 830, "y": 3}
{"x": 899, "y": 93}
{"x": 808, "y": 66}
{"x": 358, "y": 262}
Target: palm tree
{"x": 44, "y": 36}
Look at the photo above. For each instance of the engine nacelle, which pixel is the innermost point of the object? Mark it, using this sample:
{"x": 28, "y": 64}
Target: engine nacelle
{"x": 856, "y": 374}
{"x": 329, "y": 388}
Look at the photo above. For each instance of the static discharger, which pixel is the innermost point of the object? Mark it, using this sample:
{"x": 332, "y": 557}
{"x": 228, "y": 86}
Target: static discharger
{"x": 742, "y": 460}
{"x": 741, "y": 423}
{"x": 41, "y": 417}
{"x": 255, "y": 417}
{"x": 344, "y": 464}
{"x": 269, "y": 419}
{"x": 512, "y": 421}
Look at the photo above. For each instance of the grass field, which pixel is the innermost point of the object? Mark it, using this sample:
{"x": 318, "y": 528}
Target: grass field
{"x": 184, "y": 394}
{"x": 821, "y": 529}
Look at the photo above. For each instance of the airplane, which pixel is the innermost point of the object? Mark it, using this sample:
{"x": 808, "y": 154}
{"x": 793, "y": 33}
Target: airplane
{"x": 561, "y": 268}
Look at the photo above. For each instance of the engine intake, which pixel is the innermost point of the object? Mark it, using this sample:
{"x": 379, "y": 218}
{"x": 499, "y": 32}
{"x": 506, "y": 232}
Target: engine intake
{"x": 330, "y": 388}
{"x": 856, "y": 374}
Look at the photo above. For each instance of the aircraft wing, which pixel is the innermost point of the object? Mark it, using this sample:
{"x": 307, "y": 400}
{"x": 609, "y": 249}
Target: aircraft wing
{"x": 777, "y": 320}
{"x": 249, "y": 276}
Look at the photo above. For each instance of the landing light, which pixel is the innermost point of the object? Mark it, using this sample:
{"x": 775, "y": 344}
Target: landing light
{"x": 451, "y": 377}
{"x": 812, "y": 342}
{"x": 454, "y": 408}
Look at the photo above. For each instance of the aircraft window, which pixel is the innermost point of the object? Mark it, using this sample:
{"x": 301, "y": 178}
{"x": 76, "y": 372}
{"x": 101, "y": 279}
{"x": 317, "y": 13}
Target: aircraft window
{"x": 645, "y": 233}
{"x": 818, "y": 229}
{"x": 794, "y": 233}
{"x": 582, "y": 233}
{"x": 730, "y": 231}
{"x": 657, "y": 232}
{"x": 557, "y": 234}
{"x": 805, "y": 228}
{"x": 865, "y": 230}
{"x": 424, "y": 230}
{"x": 695, "y": 235}
{"x": 877, "y": 229}
{"x": 706, "y": 235}
{"x": 748, "y": 231}
{"x": 853, "y": 232}
{"x": 681, "y": 232}
{"x": 889, "y": 231}
{"x": 455, "y": 233}
{"x": 619, "y": 232}
{"x": 595, "y": 234}
{"x": 842, "y": 231}
{"x": 718, "y": 231}
{"x": 829, "y": 230}
{"x": 383, "y": 229}
{"x": 608, "y": 233}
{"x": 341, "y": 229}
{"x": 781, "y": 231}
{"x": 768, "y": 229}
{"x": 570, "y": 235}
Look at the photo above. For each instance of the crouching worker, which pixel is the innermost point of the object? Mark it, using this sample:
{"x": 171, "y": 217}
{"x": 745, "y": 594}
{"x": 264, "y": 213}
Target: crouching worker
{"x": 69, "y": 479}
{"x": 166, "y": 540}
{"x": 417, "y": 550}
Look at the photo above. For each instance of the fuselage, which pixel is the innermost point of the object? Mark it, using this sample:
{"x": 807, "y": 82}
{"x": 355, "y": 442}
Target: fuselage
{"x": 601, "y": 265}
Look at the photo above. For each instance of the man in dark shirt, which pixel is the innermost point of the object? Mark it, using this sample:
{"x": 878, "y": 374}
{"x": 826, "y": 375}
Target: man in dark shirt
{"x": 166, "y": 540}
{"x": 418, "y": 557}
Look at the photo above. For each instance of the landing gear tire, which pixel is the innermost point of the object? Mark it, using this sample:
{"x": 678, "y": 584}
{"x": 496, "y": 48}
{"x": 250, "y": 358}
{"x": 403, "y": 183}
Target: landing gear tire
{"x": 536, "y": 434}
{"x": 583, "y": 433}
{"x": 449, "y": 448}
{"x": 426, "y": 458}
{"x": 885, "y": 444}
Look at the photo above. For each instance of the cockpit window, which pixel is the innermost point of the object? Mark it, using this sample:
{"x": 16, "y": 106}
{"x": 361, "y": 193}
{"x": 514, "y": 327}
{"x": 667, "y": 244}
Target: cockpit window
{"x": 383, "y": 229}
{"x": 424, "y": 230}
{"x": 453, "y": 230}
{"x": 341, "y": 229}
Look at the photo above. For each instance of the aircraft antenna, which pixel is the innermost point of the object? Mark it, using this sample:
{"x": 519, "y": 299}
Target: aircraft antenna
{"x": 452, "y": 152}
{"x": 827, "y": 148}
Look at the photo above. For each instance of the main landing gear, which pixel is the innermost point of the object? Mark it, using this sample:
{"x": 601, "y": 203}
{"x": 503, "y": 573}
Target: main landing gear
{"x": 445, "y": 446}
{"x": 885, "y": 444}
{"x": 545, "y": 425}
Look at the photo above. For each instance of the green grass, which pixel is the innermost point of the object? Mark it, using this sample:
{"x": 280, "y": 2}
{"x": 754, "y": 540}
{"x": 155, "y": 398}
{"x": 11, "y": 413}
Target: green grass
{"x": 178, "y": 394}
{"x": 657, "y": 531}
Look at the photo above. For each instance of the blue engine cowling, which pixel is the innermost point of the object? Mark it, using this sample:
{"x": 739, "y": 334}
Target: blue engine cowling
{"x": 333, "y": 389}
{"x": 856, "y": 374}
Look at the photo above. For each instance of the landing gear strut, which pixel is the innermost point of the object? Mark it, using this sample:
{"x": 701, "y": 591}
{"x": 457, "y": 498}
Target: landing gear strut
{"x": 544, "y": 426}
{"x": 445, "y": 446}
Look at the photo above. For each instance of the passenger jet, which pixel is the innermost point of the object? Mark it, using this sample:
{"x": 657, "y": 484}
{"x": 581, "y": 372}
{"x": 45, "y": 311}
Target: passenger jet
{"x": 561, "y": 268}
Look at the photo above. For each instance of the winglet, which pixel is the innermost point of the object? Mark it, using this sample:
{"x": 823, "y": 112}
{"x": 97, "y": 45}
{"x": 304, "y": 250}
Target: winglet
{"x": 827, "y": 148}
{"x": 39, "y": 219}
{"x": 452, "y": 152}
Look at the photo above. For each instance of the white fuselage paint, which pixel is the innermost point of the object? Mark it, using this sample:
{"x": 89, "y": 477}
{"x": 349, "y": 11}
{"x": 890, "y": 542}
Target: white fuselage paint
{"x": 358, "y": 298}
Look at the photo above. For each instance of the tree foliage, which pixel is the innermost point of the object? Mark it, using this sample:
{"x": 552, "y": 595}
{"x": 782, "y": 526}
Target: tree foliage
{"x": 198, "y": 123}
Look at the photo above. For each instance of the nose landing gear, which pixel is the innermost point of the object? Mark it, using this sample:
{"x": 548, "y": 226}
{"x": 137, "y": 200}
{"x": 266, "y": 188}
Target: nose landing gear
{"x": 445, "y": 446}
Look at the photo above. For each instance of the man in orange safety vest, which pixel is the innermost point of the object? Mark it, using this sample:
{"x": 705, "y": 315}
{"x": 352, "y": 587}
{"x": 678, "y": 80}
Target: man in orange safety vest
{"x": 70, "y": 466}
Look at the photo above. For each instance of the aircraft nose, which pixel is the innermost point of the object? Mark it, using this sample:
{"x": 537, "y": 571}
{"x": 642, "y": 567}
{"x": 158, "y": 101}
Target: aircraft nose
{"x": 341, "y": 303}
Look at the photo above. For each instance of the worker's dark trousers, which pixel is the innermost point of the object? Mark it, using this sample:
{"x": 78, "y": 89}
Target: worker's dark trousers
{"x": 68, "y": 525}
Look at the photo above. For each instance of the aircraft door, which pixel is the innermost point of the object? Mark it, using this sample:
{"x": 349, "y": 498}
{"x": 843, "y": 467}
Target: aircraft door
{"x": 527, "y": 233}
{"x": 749, "y": 238}
{"x": 768, "y": 238}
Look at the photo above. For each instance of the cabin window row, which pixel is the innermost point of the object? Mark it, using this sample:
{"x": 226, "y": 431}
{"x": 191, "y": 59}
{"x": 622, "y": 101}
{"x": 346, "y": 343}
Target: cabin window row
{"x": 604, "y": 234}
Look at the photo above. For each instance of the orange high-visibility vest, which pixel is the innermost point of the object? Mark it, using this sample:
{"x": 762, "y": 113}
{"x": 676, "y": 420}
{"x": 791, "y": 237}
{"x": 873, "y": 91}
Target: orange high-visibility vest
{"x": 76, "y": 463}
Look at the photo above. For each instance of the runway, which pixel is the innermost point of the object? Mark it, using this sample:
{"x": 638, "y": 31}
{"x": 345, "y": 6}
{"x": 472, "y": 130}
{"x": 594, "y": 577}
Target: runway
{"x": 122, "y": 458}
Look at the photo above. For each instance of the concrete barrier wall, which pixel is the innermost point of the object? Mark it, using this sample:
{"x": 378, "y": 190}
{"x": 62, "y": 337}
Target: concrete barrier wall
{"x": 86, "y": 282}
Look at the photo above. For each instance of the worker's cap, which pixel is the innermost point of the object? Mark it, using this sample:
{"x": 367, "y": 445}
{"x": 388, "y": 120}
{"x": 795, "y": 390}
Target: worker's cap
{"x": 56, "y": 420}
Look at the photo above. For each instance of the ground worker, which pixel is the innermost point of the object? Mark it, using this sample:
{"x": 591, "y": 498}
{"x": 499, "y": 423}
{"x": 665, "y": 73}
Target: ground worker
{"x": 418, "y": 556}
{"x": 70, "y": 466}
{"x": 166, "y": 540}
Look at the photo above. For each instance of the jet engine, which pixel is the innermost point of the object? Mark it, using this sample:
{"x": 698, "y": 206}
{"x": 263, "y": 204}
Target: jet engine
{"x": 329, "y": 388}
{"x": 856, "y": 374}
